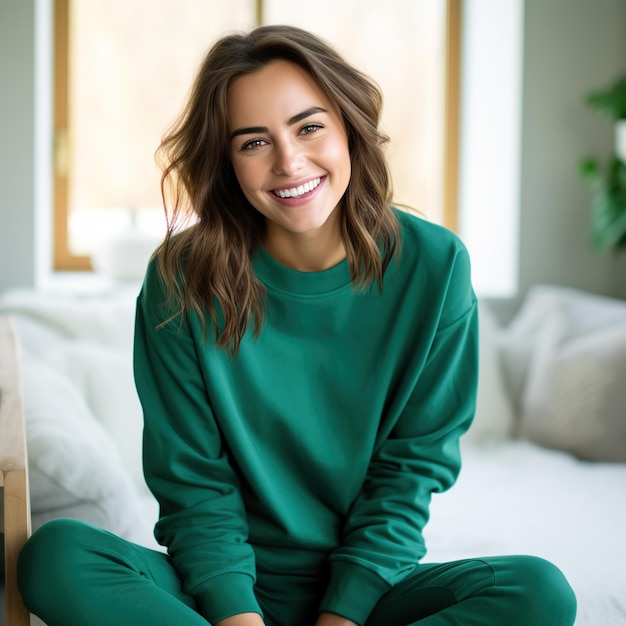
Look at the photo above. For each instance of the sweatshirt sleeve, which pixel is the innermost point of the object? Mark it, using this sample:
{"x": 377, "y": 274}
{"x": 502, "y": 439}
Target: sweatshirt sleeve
{"x": 202, "y": 519}
{"x": 417, "y": 456}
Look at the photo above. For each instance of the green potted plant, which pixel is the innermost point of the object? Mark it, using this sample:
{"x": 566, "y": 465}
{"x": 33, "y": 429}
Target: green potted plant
{"x": 608, "y": 182}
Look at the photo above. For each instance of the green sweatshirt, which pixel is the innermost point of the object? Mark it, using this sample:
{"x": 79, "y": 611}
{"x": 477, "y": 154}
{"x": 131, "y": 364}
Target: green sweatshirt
{"x": 307, "y": 462}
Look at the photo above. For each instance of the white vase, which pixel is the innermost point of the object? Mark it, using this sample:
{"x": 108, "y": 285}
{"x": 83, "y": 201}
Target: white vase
{"x": 620, "y": 139}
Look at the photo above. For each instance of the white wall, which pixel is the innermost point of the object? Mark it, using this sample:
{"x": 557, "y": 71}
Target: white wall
{"x": 570, "y": 48}
{"x": 17, "y": 156}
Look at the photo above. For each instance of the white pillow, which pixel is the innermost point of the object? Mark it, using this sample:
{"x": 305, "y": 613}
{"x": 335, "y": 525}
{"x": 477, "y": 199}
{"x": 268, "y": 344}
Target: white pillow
{"x": 494, "y": 416}
{"x": 88, "y": 339}
{"x": 104, "y": 378}
{"x": 71, "y": 454}
{"x": 105, "y": 318}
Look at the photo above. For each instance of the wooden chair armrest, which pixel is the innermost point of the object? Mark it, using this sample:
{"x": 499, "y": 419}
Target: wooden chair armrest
{"x": 13, "y": 469}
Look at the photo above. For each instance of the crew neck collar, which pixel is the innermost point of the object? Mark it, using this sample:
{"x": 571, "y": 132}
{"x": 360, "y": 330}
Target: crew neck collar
{"x": 278, "y": 276}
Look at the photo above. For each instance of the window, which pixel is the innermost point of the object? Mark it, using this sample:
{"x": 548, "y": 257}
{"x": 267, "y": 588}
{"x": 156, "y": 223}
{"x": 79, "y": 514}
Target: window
{"x": 123, "y": 69}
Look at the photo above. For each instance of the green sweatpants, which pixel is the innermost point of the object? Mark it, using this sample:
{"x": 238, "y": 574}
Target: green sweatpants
{"x": 73, "y": 574}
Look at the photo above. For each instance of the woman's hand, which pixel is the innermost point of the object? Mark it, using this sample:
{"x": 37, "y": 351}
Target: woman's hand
{"x": 242, "y": 619}
{"x": 331, "y": 619}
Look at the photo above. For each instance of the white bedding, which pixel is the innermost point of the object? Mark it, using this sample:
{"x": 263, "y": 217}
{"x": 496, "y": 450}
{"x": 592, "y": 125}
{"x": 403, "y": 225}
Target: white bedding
{"x": 84, "y": 429}
{"x": 518, "y": 498}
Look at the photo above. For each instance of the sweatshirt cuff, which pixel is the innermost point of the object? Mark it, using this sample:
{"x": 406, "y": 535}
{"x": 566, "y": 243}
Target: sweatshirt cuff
{"x": 353, "y": 591}
{"x": 226, "y": 595}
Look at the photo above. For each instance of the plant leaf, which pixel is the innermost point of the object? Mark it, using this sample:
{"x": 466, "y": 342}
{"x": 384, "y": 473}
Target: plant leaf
{"x": 610, "y": 102}
{"x": 588, "y": 169}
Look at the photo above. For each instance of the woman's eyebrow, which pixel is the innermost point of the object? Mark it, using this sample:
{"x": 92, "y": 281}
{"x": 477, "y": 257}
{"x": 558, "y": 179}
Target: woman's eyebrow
{"x": 298, "y": 117}
{"x": 251, "y": 130}
{"x": 302, "y": 116}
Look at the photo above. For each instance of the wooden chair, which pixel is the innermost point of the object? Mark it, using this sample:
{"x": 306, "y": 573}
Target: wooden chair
{"x": 13, "y": 469}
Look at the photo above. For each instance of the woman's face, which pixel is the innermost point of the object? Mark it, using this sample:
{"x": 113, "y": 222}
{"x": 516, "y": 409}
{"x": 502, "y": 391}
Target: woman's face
{"x": 289, "y": 150}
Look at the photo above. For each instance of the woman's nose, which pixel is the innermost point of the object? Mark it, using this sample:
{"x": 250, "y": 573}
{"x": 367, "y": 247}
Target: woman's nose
{"x": 288, "y": 158}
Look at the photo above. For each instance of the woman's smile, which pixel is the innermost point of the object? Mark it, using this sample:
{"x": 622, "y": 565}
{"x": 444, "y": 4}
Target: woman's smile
{"x": 297, "y": 195}
{"x": 299, "y": 191}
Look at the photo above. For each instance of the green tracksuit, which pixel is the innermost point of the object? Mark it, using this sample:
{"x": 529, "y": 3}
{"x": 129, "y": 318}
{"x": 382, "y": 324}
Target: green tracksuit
{"x": 320, "y": 444}
{"x": 296, "y": 477}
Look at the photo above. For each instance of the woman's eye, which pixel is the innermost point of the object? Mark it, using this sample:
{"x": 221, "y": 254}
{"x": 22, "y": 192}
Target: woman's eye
{"x": 253, "y": 144}
{"x": 310, "y": 128}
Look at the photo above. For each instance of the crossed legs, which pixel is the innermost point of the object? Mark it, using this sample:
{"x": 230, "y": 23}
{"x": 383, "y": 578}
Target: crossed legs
{"x": 74, "y": 574}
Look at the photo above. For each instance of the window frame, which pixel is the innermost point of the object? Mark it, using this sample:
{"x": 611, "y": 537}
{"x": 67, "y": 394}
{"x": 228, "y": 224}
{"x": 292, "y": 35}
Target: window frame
{"x": 64, "y": 260}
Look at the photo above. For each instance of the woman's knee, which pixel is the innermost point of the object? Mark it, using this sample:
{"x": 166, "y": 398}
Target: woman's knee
{"x": 544, "y": 593}
{"x": 51, "y": 557}
{"x": 49, "y": 544}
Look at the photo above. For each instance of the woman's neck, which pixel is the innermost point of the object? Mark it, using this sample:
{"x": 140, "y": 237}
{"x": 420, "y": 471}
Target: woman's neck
{"x": 307, "y": 252}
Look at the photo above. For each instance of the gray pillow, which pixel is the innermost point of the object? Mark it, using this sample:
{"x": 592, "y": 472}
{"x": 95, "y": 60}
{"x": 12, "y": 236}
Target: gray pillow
{"x": 575, "y": 393}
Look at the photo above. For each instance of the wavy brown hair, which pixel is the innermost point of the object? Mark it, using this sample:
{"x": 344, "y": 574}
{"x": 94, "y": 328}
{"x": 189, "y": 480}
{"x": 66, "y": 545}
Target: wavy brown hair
{"x": 207, "y": 267}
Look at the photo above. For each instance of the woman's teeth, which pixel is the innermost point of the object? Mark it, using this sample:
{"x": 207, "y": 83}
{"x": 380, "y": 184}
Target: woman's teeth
{"x": 294, "y": 192}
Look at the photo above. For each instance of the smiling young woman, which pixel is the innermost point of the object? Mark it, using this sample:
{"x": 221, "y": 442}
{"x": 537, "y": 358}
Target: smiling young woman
{"x": 229, "y": 193}
{"x": 294, "y": 448}
{"x": 289, "y": 150}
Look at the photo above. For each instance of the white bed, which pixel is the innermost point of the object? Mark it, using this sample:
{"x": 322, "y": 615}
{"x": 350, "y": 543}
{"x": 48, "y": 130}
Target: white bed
{"x": 563, "y": 350}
